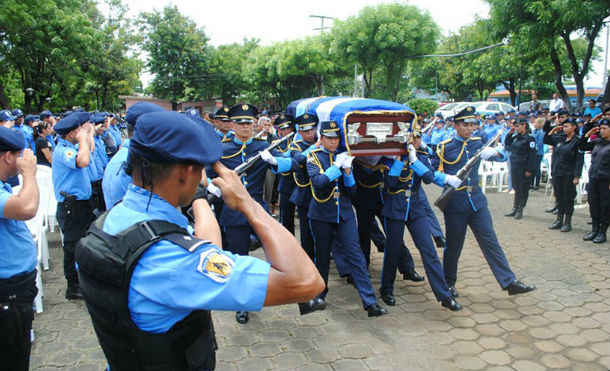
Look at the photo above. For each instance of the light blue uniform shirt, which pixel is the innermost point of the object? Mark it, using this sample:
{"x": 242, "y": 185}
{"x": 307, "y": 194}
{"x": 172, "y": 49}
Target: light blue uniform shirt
{"x": 437, "y": 136}
{"x": 17, "y": 248}
{"x": 115, "y": 181}
{"x": 116, "y": 135}
{"x": 592, "y": 111}
{"x": 168, "y": 282}
{"x": 68, "y": 177}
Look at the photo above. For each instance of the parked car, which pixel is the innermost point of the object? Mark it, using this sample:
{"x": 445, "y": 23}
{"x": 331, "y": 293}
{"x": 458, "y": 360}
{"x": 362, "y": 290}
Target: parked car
{"x": 525, "y": 106}
{"x": 490, "y": 108}
{"x": 448, "y": 109}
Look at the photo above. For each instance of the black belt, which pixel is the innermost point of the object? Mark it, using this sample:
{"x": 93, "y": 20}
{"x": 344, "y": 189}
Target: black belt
{"x": 79, "y": 202}
{"x": 10, "y": 287}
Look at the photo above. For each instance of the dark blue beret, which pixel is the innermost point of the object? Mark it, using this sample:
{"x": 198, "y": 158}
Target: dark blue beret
{"x": 169, "y": 137}
{"x": 139, "y": 109}
{"x": 11, "y": 140}
{"x": 192, "y": 112}
{"x": 17, "y": 112}
{"x": 45, "y": 114}
{"x": 5, "y": 115}
{"x": 71, "y": 122}
{"x": 97, "y": 119}
{"x": 30, "y": 118}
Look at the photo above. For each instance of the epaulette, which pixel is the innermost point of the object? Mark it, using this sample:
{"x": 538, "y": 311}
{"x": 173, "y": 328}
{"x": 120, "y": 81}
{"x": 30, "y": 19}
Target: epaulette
{"x": 259, "y": 139}
{"x": 315, "y": 150}
{"x": 293, "y": 147}
{"x": 446, "y": 141}
{"x": 225, "y": 140}
{"x": 475, "y": 138}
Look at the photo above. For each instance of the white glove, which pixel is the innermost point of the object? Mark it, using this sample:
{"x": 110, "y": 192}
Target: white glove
{"x": 453, "y": 181}
{"x": 488, "y": 152}
{"x": 347, "y": 162}
{"x": 412, "y": 154}
{"x": 214, "y": 190}
{"x": 268, "y": 157}
{"x": 340, "y": 159}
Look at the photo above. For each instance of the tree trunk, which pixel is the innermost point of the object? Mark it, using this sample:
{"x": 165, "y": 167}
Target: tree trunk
{"x": 558, "y": 83}
{"x": 510, "y": 86}
{"x": 4, "y": 103}
{"x": 368, "y": 82}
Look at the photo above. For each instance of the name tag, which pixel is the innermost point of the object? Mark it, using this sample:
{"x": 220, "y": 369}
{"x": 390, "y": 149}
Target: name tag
{"x": 336, "y": 194}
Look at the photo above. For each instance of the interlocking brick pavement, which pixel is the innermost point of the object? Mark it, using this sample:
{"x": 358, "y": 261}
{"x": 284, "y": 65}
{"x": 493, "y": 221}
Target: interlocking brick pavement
{"x": 562, "y": 325}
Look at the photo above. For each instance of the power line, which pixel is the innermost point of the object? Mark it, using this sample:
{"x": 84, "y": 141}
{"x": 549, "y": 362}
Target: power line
{"x": 504, "y": 42}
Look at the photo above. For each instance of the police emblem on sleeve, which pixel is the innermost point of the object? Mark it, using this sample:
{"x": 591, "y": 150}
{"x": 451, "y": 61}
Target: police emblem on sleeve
{"x": 532, "y": 145}
{"x": 69, "y": 154}
{"x": 215, "y": 265}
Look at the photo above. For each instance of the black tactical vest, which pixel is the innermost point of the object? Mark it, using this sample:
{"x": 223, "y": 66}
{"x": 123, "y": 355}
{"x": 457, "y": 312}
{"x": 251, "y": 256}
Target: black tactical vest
{"x": 105, "y": 266}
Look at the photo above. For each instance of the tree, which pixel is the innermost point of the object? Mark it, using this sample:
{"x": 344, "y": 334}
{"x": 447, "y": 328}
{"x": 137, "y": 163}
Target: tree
{"x": 380, "y": 39}
{"x": 541, "y": 22}
{"x": 178, "y": 54}
{"x": 227, "y": 77}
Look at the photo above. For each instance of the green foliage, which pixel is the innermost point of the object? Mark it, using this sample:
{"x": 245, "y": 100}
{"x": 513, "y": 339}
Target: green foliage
{"x": 424, "y": 106}
{"x": 179, "y": 55}
{"x": 380, "y": 39}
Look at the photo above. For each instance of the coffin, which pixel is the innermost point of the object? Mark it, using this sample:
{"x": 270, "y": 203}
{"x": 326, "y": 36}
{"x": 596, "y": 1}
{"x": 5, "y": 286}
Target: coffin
{"x": 369, "y": 127}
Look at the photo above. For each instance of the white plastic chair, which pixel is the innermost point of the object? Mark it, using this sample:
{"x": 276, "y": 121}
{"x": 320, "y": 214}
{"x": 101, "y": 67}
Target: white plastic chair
{"x": 44, "y": 179}
{"x": 500, "y": 170}
{"x": 486, "y": 172}
{"x": 581, "y": 188}
{"x": 547, "y": 164}
{"x": 39, "y": 234}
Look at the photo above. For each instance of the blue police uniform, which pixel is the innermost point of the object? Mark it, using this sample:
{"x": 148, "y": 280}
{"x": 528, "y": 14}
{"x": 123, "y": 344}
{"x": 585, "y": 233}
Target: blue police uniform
{"x": 539, "y": 137}
{"x": 286, "y": 183}
{"x": 72, "y": 187}
{"x": 331, "y": 210}
{"x": 17, "y": 274}
{"x": 421, "y": 199}
{"x": 116, "y": 135}
{"x": 468, "y": 207}
{"x": 222, "y": 114}
{"x": 523, "y": 159}
{"x": 402, "y": 181}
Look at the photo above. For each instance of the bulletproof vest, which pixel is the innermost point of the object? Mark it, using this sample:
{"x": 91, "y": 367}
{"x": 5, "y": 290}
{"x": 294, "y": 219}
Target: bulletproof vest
{"x": 105, "y": 265}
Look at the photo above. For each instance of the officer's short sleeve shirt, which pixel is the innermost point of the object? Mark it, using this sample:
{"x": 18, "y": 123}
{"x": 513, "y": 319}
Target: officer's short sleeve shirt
{"x": 17, "y": 248}
{"x": 168, "y": 282}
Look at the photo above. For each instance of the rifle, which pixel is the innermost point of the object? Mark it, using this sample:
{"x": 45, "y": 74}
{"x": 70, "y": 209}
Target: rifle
{"x": 463, "y": 173}
{"x": 251, "y": 161}
{"x": 430, "y": 125}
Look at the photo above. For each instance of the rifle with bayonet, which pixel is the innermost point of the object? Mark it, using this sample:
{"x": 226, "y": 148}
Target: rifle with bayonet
{"x": 463, "y": 173}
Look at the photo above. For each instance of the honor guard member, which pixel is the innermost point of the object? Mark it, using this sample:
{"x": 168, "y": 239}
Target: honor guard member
{"x": 115, "y": 181}
{"x": 236, "y": 151}
{"x": 72, "y": 188}
{"x": 368, "y": 202}
{"x": 401, "y": 183}
{"x": 468, "y": 207}
{"x": 224, "y": 125}
{"x": 286, "y": 185}
{"x": 17, "y": 251}
{"x": 599, "y": 179}
{"x": 567, "y": 168}
{"x": 331, "y": 214}
{"x": 523, "y": 164}
{"x": 150, "y": 284}
{"x": 301, "y": 195}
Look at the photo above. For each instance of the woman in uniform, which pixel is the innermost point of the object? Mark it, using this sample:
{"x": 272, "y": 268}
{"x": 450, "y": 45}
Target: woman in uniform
{"x": 523, "y": 164}
{"x": 599, "y": 179}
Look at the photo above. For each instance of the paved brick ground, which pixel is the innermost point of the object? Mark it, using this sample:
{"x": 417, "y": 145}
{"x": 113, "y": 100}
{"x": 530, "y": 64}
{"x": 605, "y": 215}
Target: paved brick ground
{"x": 562, "y": 325}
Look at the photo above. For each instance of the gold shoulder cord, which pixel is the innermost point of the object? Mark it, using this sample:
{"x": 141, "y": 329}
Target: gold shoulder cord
{"x": 404, "y": 180}
{"x": 441, "y": 156}
{"x": 316, "y": 161}
{"x": 369, "y": 186}
{"x": 236, "y": 153}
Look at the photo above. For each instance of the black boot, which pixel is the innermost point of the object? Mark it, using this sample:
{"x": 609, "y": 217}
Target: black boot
{"x": 567, "y": 224}
{"x": 558, "y": 223}
{"x": 591, "y": 235}
{"x": 601, "y": 235}
{"x": 513, "y": 212}
{"x": 519, "y": 213}
{"x": 551, "y": 208}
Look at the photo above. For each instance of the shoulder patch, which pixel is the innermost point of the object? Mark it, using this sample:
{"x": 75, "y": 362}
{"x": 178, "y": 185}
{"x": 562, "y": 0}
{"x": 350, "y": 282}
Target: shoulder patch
{"x": 69, "y": 153}
{"x": 215, "y": 265}
{"x": 532, "y": 144}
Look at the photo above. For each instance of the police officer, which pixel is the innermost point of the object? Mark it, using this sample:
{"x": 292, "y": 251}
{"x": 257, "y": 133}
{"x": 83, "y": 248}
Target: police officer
{"x": 17, "y": 251}
{"x": 468, "y": 207}
{"x": 567, "y": 166}
{"x": 523, "y": 164}
{"x": 330, "y": 211}
{"x": 301, "y": 195}
{"x": 72, "y": 187}
{"x": 97, "y": 164}
{"x": 236, "y": 151}
{"x": 538, "y": 134}
{"x": 224, "y": 125}
{"x": 286, "y": 184}
{"x": 599, "y": 179}
{"x": 23, "y": 127}
{"x": 113, "y": 129}
{"x": 402, "y": 181}
{"x": 115, "y": 180}
{"x": 162, "y": 287}
{"x": 557, "y": 120}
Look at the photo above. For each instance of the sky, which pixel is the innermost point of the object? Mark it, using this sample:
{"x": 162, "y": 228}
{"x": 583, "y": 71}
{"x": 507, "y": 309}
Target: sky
{"x": 228, "y": 21}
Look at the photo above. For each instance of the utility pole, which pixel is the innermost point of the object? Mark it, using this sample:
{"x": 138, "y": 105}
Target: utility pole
{"x": 605, "y": 72}
{"x": 321, "y": 28}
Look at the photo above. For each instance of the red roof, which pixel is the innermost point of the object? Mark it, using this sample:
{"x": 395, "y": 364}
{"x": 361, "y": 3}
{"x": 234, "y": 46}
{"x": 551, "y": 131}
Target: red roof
{"x": 571, "y": 93}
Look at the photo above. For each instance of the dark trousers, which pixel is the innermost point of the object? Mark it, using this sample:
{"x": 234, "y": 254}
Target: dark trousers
{"x": 537, "y": 173}
{"x": 74, "y": 220}
{"x": 435, "y": 226}
{"x": 599, "y": 201}
{"x": 521, "y": 185}
{"x": 422, "y": 237}
{"x": 565, "y": 194}
{"x": 286, "y": 212}
{"x": 97, "y": 197}
{"x": 481, "y": 225}
{"x": 305, "y": 232}
{"x": 238, "y": 239}
{"x": 350, "y": 251}
{"x": 16, "y": 316}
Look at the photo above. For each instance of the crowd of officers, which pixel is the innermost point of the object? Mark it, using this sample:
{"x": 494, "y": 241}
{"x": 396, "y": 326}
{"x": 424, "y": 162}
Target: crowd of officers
{"x": 156, "y": 227}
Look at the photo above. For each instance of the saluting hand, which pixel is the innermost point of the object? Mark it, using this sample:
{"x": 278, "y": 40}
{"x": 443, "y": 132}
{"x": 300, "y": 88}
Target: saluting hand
{"x": 26, "y": 164}
{"x": 592, "y": 131}
{"x": 234, "y": 194}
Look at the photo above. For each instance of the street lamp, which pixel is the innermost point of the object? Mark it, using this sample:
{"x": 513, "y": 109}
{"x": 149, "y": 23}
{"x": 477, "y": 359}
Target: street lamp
{"x": 30, "y": 91}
